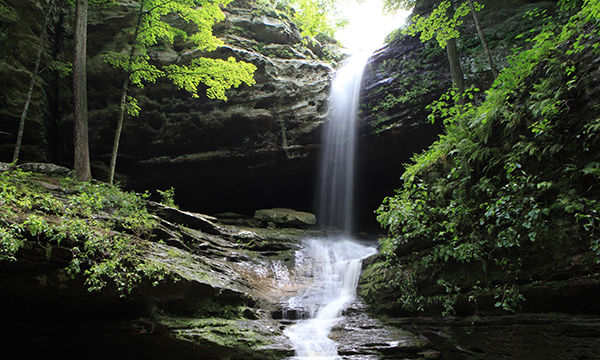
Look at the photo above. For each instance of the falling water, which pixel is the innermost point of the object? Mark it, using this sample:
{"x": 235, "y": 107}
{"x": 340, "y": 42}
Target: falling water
{"x": 336, "y": 268}
{"x": 336, "y": 184}
{"x": 336, "y": 261}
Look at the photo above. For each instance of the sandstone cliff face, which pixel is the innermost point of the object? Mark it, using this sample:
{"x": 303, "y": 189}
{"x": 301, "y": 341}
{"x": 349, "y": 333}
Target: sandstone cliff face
{"x": 256, "y": 150}
{"x": 259, "y": 147}
{"x": 20, "y": 29}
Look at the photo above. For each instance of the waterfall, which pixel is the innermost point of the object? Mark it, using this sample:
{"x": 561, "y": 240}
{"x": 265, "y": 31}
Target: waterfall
{"x": 336, "y": 179}
{"x": 336, "y": 261}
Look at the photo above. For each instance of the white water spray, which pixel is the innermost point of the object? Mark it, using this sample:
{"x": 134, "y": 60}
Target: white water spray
{"x": 336, "y": 262}
{"x": 336, "y": 268}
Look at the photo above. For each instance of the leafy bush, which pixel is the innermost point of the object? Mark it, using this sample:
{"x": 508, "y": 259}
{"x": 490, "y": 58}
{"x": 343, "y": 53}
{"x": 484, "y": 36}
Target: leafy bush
{"x": 105, "y": 228}
{"x": 512, "y": 177}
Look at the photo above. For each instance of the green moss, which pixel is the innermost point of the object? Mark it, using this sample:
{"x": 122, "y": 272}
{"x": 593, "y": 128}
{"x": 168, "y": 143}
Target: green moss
{"x": 222, "y": 338}
{"x": 210, "y": 308}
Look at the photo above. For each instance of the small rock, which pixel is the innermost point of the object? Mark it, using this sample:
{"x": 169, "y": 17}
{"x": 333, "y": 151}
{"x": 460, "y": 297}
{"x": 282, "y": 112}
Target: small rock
{"x": 4, "y": 166}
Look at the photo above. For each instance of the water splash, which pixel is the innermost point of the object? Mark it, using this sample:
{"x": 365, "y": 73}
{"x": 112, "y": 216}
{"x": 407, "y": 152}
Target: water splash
{"x": 336, "y": 269}
{"x": 336, "y": 180}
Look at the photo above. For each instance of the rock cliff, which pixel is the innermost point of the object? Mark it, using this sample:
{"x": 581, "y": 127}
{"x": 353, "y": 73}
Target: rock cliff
{"x": 406, "y": 75}
{"x": 257, "y": 148}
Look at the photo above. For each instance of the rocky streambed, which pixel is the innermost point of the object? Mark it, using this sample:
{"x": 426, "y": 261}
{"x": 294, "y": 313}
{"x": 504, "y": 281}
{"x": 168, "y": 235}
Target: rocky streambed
{"x": 228, "y": 297}
{"x": 229, "y": 285}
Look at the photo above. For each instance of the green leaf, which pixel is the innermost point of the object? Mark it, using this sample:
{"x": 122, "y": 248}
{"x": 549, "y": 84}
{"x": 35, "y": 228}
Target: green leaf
{"x": 218, "y": 75}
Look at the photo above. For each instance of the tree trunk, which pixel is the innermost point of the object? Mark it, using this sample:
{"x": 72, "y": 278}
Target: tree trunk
{"x": 31, "y": 86}
{"x": 80, "y": 120}
{"x": 453, "y": 59}
{"x": 483, "y": 41}
{"x": 115, "y": 149}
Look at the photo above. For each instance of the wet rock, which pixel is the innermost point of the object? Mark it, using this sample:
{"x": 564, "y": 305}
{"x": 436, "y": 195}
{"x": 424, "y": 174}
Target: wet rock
{"x": 358, "y": 335}
{"x": 228, "y": 281}
{"x": 46, "y": 168}
{"x": 522, "y": 336}
{"x": 285, "y": 52}
{"x": 190, "y": 219}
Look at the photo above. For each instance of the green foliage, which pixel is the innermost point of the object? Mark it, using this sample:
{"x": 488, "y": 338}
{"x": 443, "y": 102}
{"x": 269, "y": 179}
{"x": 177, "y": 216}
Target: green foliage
{"x": 316, "y": 17}
{"x": 218, "y": 75}
{"x": 10, "y": 242}
{"x": 438, "y": 24}
{"x": 64, "y": 68}
{"x": 394, "y": 36}
{"x": 152, "y": 28}
{"x": 132, "y": 107}
{"x": 569, "y": 5}
{"x": 504, "y": 181}
{"x": 168, "y": 197}
{"x": 7, "y": 13}
{"x": 509, "y": 298}
{"x": 447, "y": 107}
{"x": 391, "y": 6}
{"x": 106, "y": 229}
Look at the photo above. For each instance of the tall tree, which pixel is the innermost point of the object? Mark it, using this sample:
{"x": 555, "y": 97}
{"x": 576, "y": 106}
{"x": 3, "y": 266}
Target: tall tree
{"x": 475, "y": 7}
{"x": 458, "y": 79}
{"x": 80, "y": 116}
{"x": 150, "y": 28}
{"x": 31, "y": 84}
{"x": 442, "y": 24}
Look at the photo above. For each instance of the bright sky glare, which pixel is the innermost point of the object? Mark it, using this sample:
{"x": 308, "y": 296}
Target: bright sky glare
{"x": 367, "y": 26}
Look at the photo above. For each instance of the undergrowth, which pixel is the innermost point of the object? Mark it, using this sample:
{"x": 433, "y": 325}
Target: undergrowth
{"x": 513, "y": 177}
{"x": 105, "y": 229}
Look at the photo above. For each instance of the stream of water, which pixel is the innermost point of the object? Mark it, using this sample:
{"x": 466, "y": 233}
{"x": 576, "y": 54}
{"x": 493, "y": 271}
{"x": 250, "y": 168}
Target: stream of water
{"x": 336, "y": 261}
{"x": 336, "y": 268}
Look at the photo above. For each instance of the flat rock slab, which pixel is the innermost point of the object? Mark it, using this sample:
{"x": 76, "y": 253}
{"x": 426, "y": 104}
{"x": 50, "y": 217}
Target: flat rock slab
{"x": 286, "y": 217}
